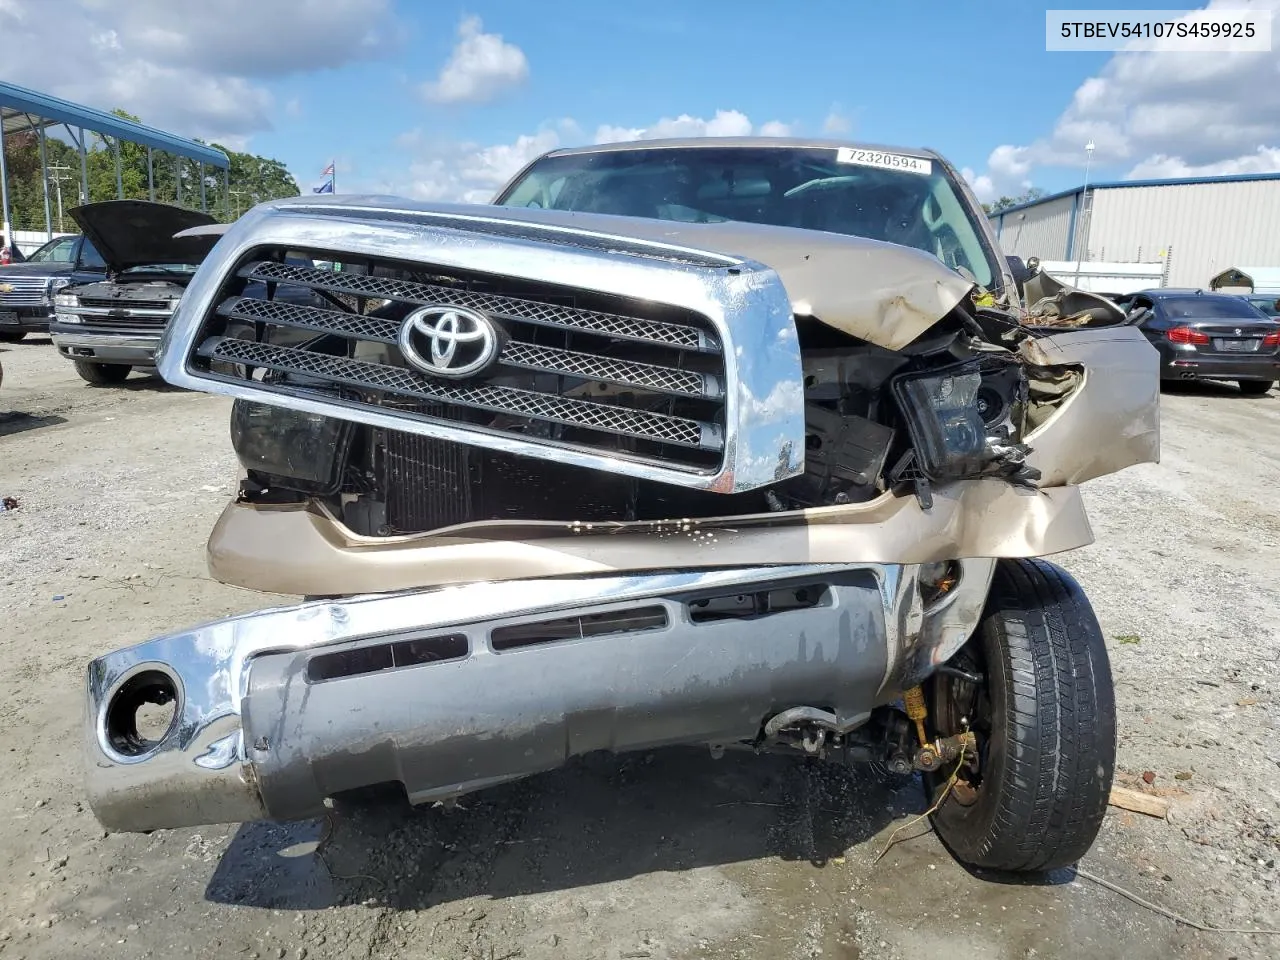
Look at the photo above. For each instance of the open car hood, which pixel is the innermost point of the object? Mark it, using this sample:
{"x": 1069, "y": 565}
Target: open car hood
{"x": 133, "y": 233}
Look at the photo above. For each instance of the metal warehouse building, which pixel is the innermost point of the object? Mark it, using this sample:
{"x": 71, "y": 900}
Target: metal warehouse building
{"x": 1199, "y": 227}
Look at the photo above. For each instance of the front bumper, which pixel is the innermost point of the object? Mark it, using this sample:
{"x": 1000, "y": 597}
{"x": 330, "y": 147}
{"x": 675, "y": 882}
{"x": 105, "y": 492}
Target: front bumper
{"x": 25, "y": 318}
{"x": 451, "y": 690}
{"x": 131, "y": 347}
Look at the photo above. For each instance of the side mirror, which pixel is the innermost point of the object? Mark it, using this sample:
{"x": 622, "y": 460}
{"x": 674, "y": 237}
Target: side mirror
{"x": 1021, "y": 270}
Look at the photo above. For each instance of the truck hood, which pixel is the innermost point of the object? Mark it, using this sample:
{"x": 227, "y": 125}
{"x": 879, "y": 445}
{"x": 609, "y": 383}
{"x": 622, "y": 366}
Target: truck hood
{"x": 134, "y": 233}
{"x": 880, "y": 292}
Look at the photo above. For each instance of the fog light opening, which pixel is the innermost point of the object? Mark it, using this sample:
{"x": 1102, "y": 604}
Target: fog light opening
{"x": 142, "y": 713}
{"x": 937, "y": 580}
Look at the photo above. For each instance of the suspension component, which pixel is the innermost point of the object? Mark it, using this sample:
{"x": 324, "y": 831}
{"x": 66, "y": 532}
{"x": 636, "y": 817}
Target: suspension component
{"x": 917, "y": 712}
{"x": 946, "y": 750}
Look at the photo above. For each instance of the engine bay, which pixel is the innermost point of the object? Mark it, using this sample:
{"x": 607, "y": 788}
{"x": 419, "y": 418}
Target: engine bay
{"x": 952, "y": 405}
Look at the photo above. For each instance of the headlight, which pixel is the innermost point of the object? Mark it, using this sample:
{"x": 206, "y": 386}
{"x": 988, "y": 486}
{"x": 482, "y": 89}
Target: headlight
{"x": 944, "y": 420}
{"x": 54, "y": 285}
{"x": 304, "y": 450}
{"x": 66, "y": 299}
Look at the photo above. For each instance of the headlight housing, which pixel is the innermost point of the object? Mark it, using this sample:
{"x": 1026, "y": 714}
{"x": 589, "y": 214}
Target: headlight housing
{"x": 66, "y": 300}
{"x": 306, "y": 451}
{"x": 943, "y": 417}
{"x": 53, "y": 286}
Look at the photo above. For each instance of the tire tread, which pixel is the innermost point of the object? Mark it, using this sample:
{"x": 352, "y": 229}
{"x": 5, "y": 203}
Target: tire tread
{"x": 1059, "y": 724}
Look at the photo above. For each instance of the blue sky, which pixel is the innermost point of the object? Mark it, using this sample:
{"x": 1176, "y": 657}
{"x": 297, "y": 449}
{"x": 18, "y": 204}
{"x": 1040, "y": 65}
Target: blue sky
{"x": 927, "y": 73}
{"x": 444, "y": 100}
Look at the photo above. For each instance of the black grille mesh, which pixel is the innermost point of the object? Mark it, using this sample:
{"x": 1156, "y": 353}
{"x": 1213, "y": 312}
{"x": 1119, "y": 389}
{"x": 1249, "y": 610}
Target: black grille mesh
{"x": 622, "y": 421}
{"x": 515, "y": 353}
{"x": 530, "y": 311}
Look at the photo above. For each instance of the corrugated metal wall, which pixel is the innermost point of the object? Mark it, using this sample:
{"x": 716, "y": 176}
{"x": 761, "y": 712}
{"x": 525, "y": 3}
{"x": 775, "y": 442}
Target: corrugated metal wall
{"x": 1209, "y": 226}
{"x": 1038, "y": 231}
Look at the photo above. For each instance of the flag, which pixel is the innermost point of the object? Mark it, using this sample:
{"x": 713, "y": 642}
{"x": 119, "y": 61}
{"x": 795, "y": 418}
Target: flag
{"x": 326, "y": 187}
{"x": 327, "y": 171}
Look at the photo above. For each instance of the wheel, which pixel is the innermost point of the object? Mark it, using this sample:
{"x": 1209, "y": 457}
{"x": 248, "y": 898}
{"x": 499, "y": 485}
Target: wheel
{"x": 12, "y": 336}
{"x": 102, "y": 373}
{"x": 1045, "y": 719}
{"x": 1254, "y": 388}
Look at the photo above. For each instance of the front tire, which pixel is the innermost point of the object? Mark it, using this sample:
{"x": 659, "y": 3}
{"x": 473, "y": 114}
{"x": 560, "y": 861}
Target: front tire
{"x": 1254, "y": 388}
{"x": 102, "y": 374}
{"x": 1045, "y": 717}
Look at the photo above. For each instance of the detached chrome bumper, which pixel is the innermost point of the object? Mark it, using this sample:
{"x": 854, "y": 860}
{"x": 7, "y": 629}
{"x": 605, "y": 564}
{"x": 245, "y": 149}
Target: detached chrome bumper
{"x": 455, "y": 689}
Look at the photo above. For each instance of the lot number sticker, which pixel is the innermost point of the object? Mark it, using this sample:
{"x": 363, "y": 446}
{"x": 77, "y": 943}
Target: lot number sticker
{"x": 887, "y": 161}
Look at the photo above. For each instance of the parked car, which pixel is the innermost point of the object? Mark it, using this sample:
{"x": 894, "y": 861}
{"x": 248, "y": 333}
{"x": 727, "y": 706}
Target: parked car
{"x": 1209, "y": 336}
{"x": 717, "y": 442}
{"x": 1267, "y": 303}
{"x": 112, "y": 324}
{"x": 28, "y": 289}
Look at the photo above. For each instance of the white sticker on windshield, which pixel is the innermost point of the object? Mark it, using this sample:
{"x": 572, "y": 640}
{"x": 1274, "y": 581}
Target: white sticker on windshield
{"x": 887, "y": 161}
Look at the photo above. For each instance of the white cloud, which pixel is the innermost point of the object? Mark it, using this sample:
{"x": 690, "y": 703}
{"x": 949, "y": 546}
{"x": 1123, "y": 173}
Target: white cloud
{"x": 250, "y": 38}
{"x": 481, "y": 66}
{"x": 468, "y": 172}
{"x": 836, "y": 123}
{"x": 1162, "y": 111}
{"x": 473, "y": 173}
{"x": 725, "y": 123}
{"x": 188, "y": 68}
{"x": 983, "y": 186}
{"x": 1262, "y": 160}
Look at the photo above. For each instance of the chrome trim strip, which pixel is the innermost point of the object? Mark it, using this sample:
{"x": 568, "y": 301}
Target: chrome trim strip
{"x": 745, "y": 302}
{"x": 121, "y": 312}
{"x": 140, "y": 341}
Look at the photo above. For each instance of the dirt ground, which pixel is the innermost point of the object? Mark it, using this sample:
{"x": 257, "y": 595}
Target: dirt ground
{"x": 667, "y": 855}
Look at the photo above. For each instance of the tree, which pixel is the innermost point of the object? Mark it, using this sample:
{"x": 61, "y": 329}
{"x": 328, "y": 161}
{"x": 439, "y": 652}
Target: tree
{"x": 1004, "y": 203}
{"x": 253, "y": 179}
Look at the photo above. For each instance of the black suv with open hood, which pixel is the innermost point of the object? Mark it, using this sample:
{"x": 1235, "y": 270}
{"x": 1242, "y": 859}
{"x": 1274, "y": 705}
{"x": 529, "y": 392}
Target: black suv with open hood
{"x": 110, "y": 326}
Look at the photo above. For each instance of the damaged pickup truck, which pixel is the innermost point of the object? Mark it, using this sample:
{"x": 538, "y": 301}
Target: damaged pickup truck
{"x": 750, "y": 444}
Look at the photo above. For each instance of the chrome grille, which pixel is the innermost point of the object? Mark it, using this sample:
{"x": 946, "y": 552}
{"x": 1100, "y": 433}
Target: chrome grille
{"x": 620, "y": 421}
{"x": 123, "y": 318}
{"x": 26, "y": 292}
{"x": 117, "y": 303}
{"x": 600, "y": 351}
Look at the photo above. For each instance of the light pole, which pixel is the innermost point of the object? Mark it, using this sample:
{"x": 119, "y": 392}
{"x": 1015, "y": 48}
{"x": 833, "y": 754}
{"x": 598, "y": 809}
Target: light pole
{"x": 1086, "y": 209}
{"x": 57, "y": 178}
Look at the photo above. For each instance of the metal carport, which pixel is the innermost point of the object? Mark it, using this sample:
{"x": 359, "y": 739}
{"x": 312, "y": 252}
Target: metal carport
{"x": 22, "y": 110}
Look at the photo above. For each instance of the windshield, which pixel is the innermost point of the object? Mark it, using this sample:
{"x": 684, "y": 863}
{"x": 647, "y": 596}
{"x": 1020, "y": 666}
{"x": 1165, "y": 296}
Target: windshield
{"x": 1209, "y": 308}
{"x": 843, "y": 190}
{"x": 90, "y": 259}
{"x": 60, "y": 250}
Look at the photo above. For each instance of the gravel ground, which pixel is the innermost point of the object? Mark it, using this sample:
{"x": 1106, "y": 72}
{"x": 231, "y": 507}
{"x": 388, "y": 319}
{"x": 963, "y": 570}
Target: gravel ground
{"x": 666, "y": 855}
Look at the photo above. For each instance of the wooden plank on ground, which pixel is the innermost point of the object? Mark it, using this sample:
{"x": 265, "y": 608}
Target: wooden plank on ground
{"x": 1139, "y": 802}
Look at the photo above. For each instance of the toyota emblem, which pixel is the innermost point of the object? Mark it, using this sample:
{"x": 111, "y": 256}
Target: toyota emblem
{"x": 449, "y": 341}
